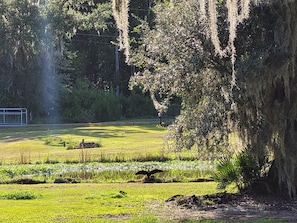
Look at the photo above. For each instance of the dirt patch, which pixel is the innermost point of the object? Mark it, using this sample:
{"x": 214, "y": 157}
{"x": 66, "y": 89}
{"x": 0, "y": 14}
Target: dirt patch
{"x": 113, "y": 217}
{"x": 230, "y": 207}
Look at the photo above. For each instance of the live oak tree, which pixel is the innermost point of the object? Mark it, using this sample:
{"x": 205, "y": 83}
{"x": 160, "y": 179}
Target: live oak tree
{"x": 233, "y": 64}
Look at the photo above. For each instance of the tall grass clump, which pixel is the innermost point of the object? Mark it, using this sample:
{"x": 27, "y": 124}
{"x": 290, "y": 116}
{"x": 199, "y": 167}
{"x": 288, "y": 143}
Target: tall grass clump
{"x": 19, "y": 195}
{"x": 24, "y": 156}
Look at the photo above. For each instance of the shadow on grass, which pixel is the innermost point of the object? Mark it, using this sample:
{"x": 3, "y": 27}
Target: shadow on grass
{"x": 40, "y": 132}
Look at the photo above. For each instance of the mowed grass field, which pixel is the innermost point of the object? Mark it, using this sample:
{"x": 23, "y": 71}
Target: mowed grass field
{"x": 125, "y": 202}
{"x": 120, "y": 201}
{"x": 58, "y": 143}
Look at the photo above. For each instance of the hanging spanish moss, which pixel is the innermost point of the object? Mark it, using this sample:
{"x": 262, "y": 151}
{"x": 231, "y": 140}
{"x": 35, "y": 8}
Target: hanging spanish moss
{"x": 121, "y": 16}
{"x": 267, "y": 103}
{"x": 271, "y": 97}
{"x": 238, "y": 11}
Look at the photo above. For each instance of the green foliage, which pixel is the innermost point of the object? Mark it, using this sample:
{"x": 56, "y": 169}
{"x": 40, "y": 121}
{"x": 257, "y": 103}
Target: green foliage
{"x": 84, "y": 103}
{"x": 87, "y": 104}
{"x": 19, "y": 195}
{"x": 49, "y": 47}
{"x": 38, "y": 60}
{"x": 107, "y": 107}
{"x": 227, "y": 172}
{"x": 243, "y": 170}
{"x": 175, "y": 59}
{"x": 54, "y": 141}
{"x": 250, "y": 167}
{"x": 178, "y": 56}
{"x": 138, "y": 105}
{"x": 181, "y": 171}
{"x": 19, "y": 42}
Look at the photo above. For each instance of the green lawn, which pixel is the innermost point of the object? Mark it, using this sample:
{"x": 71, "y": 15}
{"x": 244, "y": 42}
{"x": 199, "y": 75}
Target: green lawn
{"x": 86, "y": 202}
{"x": 93, "y": 202}
{"x": 40, "y": 144}
{"x": 125, "y": 148}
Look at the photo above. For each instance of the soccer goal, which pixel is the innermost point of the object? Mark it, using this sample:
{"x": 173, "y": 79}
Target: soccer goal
{"x": 13, "y": 116}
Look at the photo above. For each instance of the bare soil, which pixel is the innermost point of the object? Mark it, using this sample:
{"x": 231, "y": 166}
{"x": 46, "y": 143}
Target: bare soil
{"x": 229, "y": 208}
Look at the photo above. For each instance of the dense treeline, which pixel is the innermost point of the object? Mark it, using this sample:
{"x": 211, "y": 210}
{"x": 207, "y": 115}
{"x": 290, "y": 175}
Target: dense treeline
{"x": 59, "y": 60}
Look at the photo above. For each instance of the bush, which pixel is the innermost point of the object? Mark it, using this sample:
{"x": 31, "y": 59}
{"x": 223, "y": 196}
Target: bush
{"x": 88, "y": 104}
{"x": 19, "y": 195}
{"x": 138, "y": 105}
{"x": 250, "y": 169}
{"x": 106, "y": 107}
{"x": 243, "y": 170}
{"x": 227, "y": 172}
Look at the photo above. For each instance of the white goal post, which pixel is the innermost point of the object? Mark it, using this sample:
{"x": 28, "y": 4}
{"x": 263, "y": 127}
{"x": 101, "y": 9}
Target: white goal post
{"x": 13, "y": 116}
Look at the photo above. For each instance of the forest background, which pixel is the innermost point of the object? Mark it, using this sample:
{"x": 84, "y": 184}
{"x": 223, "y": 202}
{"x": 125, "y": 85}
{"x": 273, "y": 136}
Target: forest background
{"x": 60, "y": 60}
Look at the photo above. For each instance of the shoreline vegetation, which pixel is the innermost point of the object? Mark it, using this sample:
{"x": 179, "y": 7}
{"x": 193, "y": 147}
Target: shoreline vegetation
{"x": 174, "y": 171}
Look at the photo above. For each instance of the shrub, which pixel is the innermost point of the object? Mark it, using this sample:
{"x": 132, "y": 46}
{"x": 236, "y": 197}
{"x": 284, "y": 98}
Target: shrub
{"x": 137, "y": 105}
{"x": 19, "y": 195}
{"x": 106, "y": 107}
{"x": 227, "y": 172}
{"x": 249, "y": 167}
{"x": 86, "y": 103}
{"x": 243, "y": 170}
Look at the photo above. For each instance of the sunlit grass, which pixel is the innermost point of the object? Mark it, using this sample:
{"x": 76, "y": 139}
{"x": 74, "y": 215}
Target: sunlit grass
{"x": 118, "y": 201}
{"x": 92, "y": 202}
{"x": 29, "y": 144}
{"x": 117, "y": 143}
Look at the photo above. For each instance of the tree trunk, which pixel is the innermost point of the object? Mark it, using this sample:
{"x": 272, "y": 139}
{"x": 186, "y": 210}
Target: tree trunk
{"x": 280, "y": 96}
